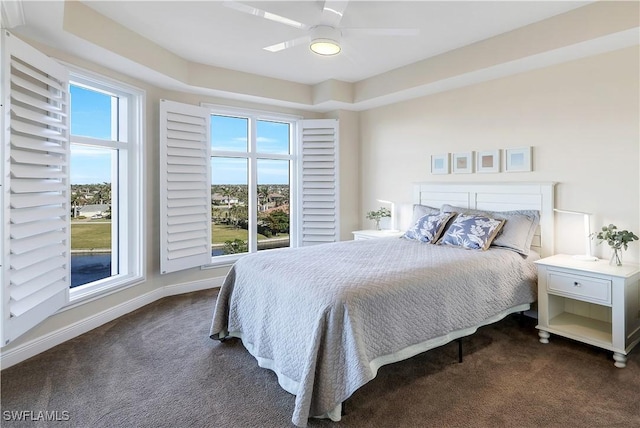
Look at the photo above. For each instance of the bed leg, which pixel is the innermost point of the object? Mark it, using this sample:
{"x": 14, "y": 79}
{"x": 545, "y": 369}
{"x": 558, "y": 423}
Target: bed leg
{"x": 459, "y": 350}
{"x": 342, "y": 411}
{"x": 522, "y": 321}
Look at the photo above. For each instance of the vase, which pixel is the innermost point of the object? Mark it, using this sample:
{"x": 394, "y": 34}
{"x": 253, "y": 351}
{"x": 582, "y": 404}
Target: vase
{"x": 377, "y": 224}
{"x": 616, "y": 257}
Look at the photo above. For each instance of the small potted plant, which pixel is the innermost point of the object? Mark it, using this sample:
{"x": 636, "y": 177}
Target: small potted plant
{"x": 377, "y": 215}
{"x": 617, "y": 240}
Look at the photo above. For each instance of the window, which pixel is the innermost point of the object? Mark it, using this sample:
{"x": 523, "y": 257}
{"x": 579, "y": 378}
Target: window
{"x": 236, "y": 182}
{"x": 252, "y": 160}
{"x": 105, "y": 178}
{"x": 48, "y": 176}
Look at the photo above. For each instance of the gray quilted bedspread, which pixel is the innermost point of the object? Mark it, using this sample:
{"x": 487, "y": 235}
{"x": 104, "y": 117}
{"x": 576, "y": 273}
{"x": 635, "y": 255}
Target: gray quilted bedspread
{"x": 319, "y": 315}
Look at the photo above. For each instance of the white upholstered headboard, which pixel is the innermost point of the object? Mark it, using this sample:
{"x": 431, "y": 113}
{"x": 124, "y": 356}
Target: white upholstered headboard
{"x": 497, "y": 197}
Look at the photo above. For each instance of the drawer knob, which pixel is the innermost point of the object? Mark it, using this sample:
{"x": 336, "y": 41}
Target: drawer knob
{"x": 576, "y": 284}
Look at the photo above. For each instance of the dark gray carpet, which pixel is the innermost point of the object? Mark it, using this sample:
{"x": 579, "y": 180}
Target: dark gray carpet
{"x": 156, "y": 367}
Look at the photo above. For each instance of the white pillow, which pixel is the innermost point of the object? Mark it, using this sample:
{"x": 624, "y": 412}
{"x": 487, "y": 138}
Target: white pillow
{"x": 420, "y": 211}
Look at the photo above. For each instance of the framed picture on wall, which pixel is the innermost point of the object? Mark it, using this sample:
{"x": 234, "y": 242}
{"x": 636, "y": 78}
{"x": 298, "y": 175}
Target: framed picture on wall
{"x": 488, "y": 161}
{"x": 518, "y": 159}
{"x": 463, "y": 163}
{"x": 440, "y": 164}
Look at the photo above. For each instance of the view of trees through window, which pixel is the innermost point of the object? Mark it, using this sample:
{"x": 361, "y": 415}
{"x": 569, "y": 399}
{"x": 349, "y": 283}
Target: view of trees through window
{"x": 245, "y": 163}
{"x": 94, "y": 123}
{"x": 230, "y": 218}
{"x": 90, "y": 233}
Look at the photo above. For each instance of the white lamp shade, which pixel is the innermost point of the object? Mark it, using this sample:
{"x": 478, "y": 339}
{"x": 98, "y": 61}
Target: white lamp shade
{"x": 587, "y": 234}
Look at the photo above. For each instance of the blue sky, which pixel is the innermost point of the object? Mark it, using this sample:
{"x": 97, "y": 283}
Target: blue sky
{"x": 91, "y": 117}
{"x": 231, "y": 134}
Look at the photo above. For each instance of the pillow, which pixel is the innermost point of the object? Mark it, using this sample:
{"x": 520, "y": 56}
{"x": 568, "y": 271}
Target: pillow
{"x": 473, "y": 232}
{"x": 428, "y": 228}
{"x": 420, "y": 211}
{"x": 517, "y": 232}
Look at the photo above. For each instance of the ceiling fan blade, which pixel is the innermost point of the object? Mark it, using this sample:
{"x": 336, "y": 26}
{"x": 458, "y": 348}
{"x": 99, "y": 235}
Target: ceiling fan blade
{"x": 245, "y": 8}
{"x": 380, "y": 31}
{"x": 288, "y": 44}
{"x": 332, "y": 12}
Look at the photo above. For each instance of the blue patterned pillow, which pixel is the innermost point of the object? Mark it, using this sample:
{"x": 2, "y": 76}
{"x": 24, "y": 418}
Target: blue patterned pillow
{"x": 428, "y": 227}
{"x": 518, "y": 230}
{"x": 473, "y": 232}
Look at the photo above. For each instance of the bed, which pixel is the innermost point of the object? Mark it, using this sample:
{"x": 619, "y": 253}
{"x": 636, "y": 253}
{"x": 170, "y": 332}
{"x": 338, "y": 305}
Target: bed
{"x": 326, "y": 318}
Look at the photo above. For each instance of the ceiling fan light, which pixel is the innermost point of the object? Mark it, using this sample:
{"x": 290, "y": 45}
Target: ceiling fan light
{"x": 325, "y": 40}
{"x": 326, "y": 47}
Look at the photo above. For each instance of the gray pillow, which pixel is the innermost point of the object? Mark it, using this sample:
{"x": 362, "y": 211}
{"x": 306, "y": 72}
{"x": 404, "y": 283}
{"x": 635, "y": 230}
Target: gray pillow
{"x": 420, "y": 211}
{"x": 517, "y": 232}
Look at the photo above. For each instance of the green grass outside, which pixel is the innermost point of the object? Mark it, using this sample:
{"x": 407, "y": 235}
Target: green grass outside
{"x": 222, "y": 232}
{"x": 88, "y": 235}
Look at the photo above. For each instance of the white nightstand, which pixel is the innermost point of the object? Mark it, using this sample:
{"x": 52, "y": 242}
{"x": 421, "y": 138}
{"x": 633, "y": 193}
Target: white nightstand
{"x": 592, "y": 302}
{"x": 375, "y": 234}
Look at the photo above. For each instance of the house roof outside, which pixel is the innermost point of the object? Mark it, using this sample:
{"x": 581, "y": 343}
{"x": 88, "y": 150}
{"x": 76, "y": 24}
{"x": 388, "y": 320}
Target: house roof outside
{"x": 93, "y": 209}
{"x": 219, "y": 197}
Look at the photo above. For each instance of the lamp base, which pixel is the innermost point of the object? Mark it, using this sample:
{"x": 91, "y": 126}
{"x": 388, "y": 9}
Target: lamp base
{"x": 585, "y": 258}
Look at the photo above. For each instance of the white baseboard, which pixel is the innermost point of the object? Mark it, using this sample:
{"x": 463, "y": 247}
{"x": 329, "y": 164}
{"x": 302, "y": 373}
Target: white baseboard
{"x": 48, "y": 341}
{"x": 188, "y": 287}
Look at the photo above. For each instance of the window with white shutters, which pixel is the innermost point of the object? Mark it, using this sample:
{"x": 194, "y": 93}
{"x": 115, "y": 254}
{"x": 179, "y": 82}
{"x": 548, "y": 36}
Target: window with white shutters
{"x": 35, "y": 187}
{"x": 185, "y": 189}
{"x": 38, "y": 260}
{"x": 282, "y": 175}
{"x": 318, "y": 210}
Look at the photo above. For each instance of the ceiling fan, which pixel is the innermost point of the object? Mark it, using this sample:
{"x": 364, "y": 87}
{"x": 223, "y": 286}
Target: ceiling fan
{"x": 325, "y": 36}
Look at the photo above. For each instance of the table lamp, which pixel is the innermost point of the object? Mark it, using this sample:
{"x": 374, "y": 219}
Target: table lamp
{"x": 587, "y": 256}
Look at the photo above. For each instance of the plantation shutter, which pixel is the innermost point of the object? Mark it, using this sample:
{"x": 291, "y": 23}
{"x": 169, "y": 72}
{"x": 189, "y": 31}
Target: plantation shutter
{"x": 185, "y": 186}
{"x": 318, "y": 194}
{"x": 35, "y": 187}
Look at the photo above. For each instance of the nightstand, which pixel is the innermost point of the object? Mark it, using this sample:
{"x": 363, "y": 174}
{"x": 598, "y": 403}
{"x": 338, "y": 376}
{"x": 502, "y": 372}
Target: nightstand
{"x": 376, "y": 234}
{"x": 592, "y": 302}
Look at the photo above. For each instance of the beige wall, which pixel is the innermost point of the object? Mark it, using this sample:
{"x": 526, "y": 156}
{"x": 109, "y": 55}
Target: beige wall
{"x": 582, "y": 119}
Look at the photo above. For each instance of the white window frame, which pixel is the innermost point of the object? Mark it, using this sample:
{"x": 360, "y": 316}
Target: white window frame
{"x": 252, "y": 157}
{"x": 130, "y": 252}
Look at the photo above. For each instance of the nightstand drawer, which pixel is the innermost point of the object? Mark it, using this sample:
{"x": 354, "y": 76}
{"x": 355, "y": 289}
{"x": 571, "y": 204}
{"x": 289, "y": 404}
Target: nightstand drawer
{"x": 580, "y": 287}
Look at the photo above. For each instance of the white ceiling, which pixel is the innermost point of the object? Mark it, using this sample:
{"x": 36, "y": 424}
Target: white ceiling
{"x": 207, "y": 32}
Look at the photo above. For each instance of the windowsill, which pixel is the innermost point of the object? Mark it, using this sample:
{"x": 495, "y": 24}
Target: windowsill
{"x": 79, "y": 297}
{"x": 229, "y": 260}
{"x": 223, "y": 261}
